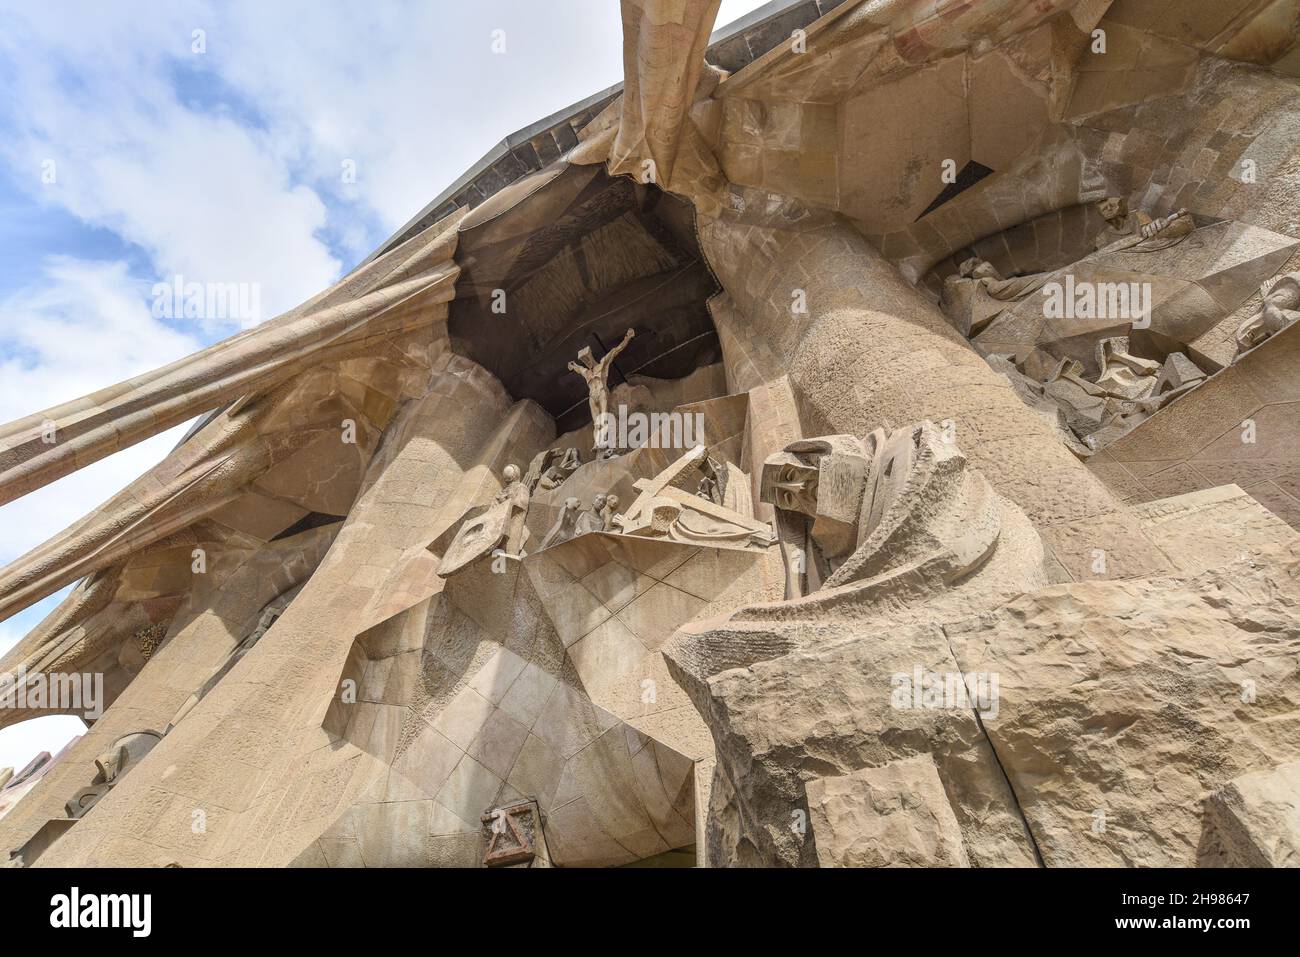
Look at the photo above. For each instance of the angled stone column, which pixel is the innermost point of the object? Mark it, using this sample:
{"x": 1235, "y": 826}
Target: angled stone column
{"x": 204, "y": 633}
{"x": 862, "y": 348}
{"x": 252, "y": 754}
{"x": 354, "y": 315}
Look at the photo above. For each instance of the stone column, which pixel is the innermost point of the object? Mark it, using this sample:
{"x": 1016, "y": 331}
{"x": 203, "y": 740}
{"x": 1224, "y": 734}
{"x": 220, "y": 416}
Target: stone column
{"x": 252, "y": 755}
{"x": 863, "y": 348}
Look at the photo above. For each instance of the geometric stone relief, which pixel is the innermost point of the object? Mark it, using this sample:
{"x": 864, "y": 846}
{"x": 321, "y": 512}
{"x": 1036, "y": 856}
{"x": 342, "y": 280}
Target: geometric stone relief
{"x": 1109, "y": 337}
{"x": 513, "y": 835}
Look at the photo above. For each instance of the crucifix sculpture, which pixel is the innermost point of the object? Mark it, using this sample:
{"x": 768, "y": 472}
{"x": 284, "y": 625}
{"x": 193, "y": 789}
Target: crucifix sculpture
{"x": 596, "y": 374}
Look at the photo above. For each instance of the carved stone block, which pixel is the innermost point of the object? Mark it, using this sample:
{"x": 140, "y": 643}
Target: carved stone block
{"x": 512, "y": 835}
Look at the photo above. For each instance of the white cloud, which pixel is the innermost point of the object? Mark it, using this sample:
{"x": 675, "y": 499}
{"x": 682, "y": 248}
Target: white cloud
{"x": 207, "y": 195}
{"x": 226, "y": 166}
{"x": 79, "y": 327}
{"x": 412, "y": 92}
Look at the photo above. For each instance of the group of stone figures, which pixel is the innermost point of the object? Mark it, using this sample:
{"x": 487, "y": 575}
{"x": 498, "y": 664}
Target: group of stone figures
{"x": 1126, "y": 389}
{"x": 503, "y": 522}
{"x": 839, "y": 501}
{"x": 662, "y": 509}
{"x": 843, "y": 505}
{"x": 718, "y": 510}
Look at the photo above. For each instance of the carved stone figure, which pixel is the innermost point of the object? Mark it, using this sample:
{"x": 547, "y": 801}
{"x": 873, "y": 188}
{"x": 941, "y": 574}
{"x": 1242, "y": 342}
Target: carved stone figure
{"x": 822, "y": 479}
{"x": 790, "y": 483}
{"x": 597, "y": 374}
{"x": 1087, "y": 405}
{"x": 977, "y": 293}
{"x": 479, "y": 532}
{"x": 1280, "y": 308}
{"x": 711, "y": 480}
{"x": 484, "y": 528}
{"x": 1114, "y": 209}
{"x": 126, "y": 752}
{"x": 559, "y": 471}
{"x": 515, "y": 496}
{"x": 565, "y": 524}
{"x": 550, "y": 468}
{"x": 663, "y": 509}
{"x": 855, "y": 496}
{"x": 607, "y": 513}
{"x": 1122, "y": 375}
{"x": 1139, "y": 231}
{"x": 1127, "y": 391}
{"x": 592, "y": 520}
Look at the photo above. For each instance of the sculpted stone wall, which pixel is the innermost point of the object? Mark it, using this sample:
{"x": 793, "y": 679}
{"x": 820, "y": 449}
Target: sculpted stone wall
{"x": 203, "y": 634}
{"x": 878, "y": 611}
{"x": 1239, "y": 427}
{"x": 862, "y": 313}
{"x": 256, "y": 742}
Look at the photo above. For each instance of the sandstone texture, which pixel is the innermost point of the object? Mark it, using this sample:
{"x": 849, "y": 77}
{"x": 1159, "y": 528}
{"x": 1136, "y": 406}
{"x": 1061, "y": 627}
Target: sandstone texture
{"x": 887, "y": 456}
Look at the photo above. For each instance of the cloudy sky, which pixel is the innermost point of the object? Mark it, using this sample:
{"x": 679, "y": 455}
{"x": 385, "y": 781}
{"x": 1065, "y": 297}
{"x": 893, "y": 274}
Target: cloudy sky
{"x": 210, "y": 140}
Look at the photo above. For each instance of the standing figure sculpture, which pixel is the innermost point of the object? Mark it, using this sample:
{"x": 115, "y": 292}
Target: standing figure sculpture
{"x": 515, "y": 498}
{"x": 593, "y": 520}
{"x": 563, "y": 529}
{"x": 485, "y": 527}
{"x": 596, "y": 374}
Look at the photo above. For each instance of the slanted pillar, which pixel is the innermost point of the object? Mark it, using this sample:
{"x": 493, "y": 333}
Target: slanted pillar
{"x": 863, "y": 348}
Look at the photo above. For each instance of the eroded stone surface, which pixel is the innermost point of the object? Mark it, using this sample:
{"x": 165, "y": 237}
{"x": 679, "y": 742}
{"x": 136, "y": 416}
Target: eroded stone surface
{"x": 876, "y": 611}
{"x": 893, "y": 816}
{"x": 1124, "y": 705}
{"x": 1255, "y": 820}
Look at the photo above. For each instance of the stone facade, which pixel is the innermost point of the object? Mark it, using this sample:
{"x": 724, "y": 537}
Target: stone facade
{"x": 949, "y": 520}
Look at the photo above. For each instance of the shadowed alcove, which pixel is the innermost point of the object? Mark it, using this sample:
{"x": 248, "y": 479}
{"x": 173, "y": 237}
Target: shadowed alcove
{"x": 586, "y": 258}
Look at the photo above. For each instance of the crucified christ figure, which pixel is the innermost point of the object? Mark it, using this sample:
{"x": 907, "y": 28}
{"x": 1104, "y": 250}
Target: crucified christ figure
{"x": 596, "y": 374}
